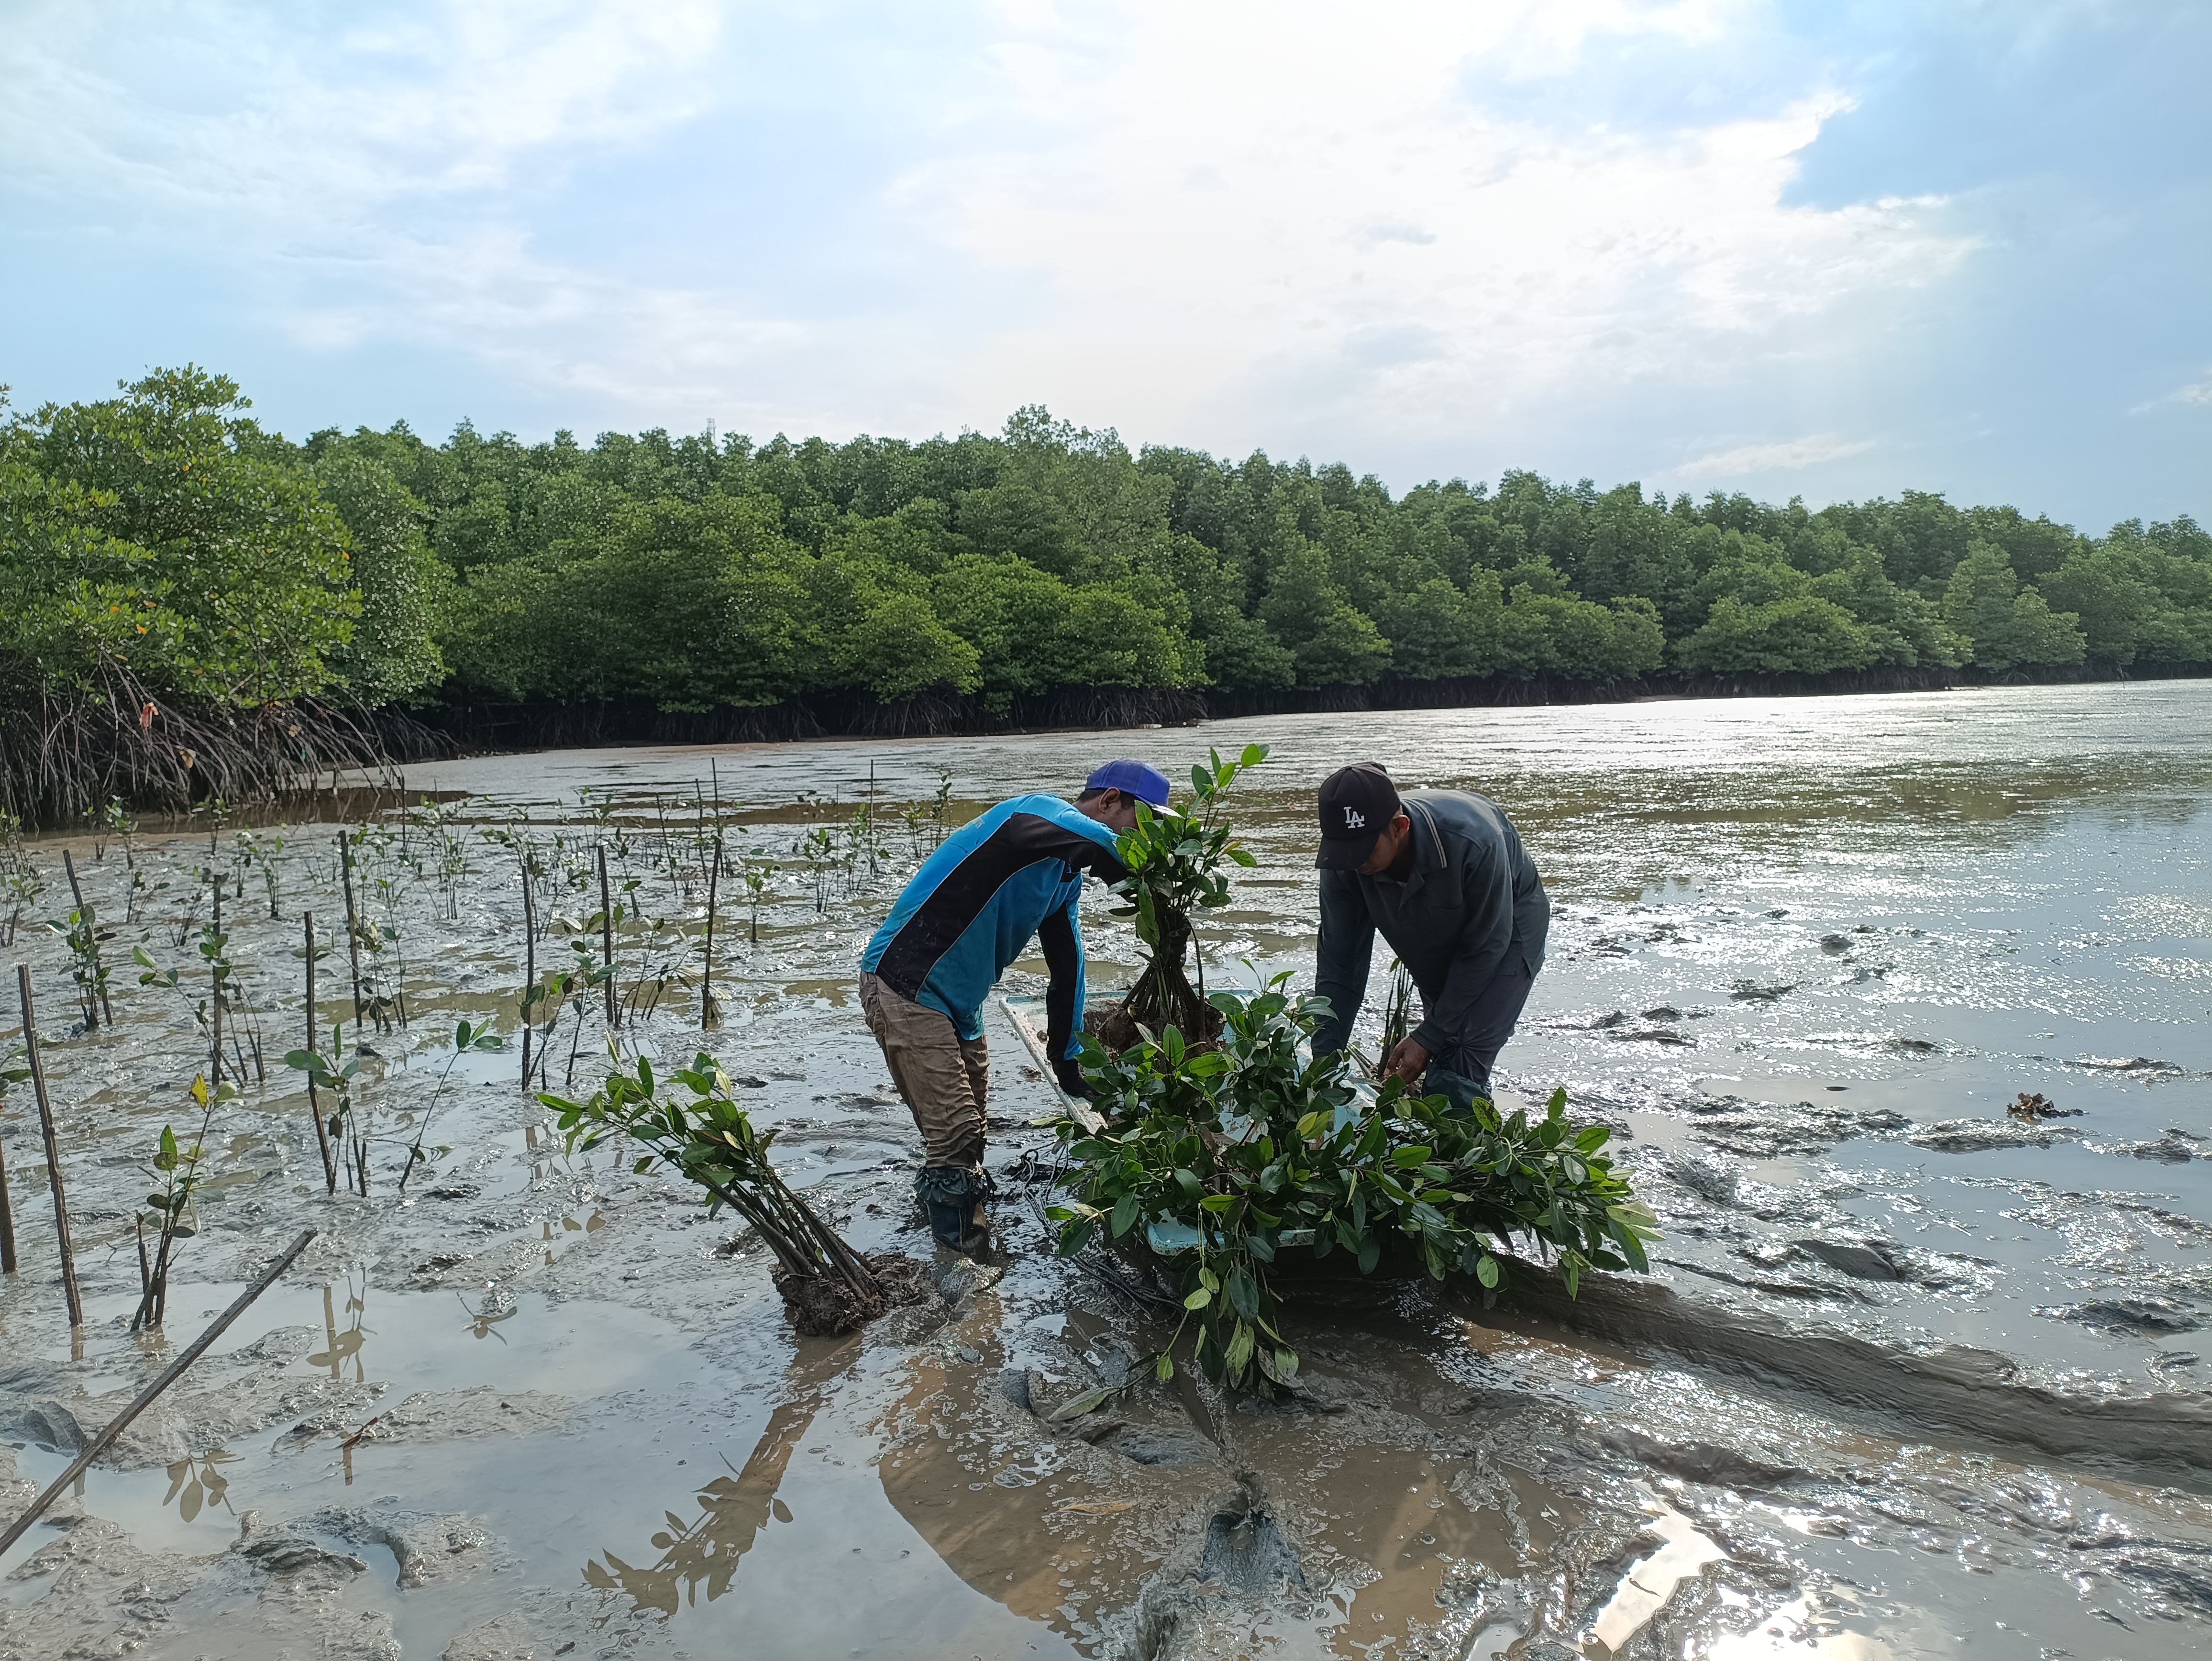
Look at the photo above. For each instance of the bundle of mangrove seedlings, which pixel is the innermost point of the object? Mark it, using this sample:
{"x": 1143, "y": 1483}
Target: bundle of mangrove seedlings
{"x": 1269, "y": 1157}
{"x": 708, "y": 1139}
{"x": 1178, "y": 862}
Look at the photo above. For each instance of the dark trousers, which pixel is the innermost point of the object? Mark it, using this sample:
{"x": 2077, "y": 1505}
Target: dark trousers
{"x": 1462, "y": 1071}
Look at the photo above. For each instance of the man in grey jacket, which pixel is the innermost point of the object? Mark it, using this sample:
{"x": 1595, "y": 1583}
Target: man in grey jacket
{"x": 1442, "y": 875}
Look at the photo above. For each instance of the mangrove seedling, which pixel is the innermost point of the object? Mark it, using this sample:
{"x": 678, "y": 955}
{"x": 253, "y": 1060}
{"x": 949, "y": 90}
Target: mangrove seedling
{"x": 759, "y": 876}
{"x": 702, "y": 1134}
{"x": 467, "y": 1040}
{"x": 1254, "y": 1148}
{"x": 1177, "y": 860}
{"x": 82, "y": 935}
{"x": 343, "y": 1123}
{"x": 1397, "y": 1015}
{"x": 177, "y": 1167}
{"x": 207, "y": 1012}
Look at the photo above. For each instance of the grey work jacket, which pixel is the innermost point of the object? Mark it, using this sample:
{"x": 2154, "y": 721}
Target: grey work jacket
{"x": 1472, "y": 897}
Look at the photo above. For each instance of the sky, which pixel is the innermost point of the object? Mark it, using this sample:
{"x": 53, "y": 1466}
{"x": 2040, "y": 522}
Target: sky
{"x": 1833, "y": 249}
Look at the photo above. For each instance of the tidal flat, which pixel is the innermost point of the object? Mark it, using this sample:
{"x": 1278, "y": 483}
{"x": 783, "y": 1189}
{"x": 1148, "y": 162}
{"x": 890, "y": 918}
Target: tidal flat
{"x": 1913, "y": 1375}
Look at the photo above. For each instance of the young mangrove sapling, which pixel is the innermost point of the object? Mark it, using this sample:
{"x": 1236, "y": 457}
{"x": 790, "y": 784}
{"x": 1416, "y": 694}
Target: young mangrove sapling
{"x": 1177, "y": 860}
{"x": 705, "y": 1137}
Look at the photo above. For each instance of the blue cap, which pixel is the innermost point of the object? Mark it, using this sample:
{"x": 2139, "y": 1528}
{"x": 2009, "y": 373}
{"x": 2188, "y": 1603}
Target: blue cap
{"x": 1131, "y": 778}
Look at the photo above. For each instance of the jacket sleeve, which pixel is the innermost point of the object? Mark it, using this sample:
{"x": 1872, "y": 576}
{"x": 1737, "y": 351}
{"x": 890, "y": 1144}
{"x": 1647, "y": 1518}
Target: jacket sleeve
{"x": 1341, "y": 959}
{"x": 1486, "y": 885}
{"x": 1061, "y": 935}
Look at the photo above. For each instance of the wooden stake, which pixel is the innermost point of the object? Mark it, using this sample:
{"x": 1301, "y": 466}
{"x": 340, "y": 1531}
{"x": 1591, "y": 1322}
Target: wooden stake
{"x": 529, "y": 968}
{"x": 707, "y": 975}
{"x": 170, "y": 1374}
{"x": 85, "y": 923}
{"x": 353, "y": 927}
{"x": 53, "y": 1146}
{"x": 314, "y": 1100}
{"x": 7, "y": 1222}
{"x": 607, "y": 937}
{"x": 214, "y": 998}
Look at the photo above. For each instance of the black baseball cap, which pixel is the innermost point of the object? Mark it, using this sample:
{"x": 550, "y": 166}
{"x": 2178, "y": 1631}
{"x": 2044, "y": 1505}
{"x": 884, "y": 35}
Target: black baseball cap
{"x": 1357, "y": 803}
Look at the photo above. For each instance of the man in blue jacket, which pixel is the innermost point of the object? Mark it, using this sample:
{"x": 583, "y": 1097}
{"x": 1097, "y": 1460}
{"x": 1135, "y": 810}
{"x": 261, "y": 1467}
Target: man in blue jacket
{"x": 1442, "y": 874}
{"x": 971, "y": 909}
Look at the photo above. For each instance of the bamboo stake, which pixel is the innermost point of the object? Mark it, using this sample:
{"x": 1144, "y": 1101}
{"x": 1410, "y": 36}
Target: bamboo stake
{"x": 214, "y": 998}
{"x": 529, "y": 968}
{"x": 707, "y": 975}
{"x": 84, "y": 921}
{"x": 607, "y": 939}
{"x": 53, "y": 1146}
{"x": 170, "y": 1374}
{"x": 314, "y": 1100}
{"x": 353, "y": 927}
{"x": 7, "y": 1222}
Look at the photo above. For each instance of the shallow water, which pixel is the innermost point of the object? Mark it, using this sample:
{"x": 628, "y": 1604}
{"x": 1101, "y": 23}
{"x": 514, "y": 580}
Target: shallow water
{"x": 1910, "y": 1374}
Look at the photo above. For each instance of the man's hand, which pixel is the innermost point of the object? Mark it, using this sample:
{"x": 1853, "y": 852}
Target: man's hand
{"x": 1408, "y": 1061}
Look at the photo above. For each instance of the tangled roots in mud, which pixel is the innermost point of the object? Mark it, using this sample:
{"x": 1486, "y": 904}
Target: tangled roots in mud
{"x": 62, "y": 758}
{"x": 824, "y": 1305}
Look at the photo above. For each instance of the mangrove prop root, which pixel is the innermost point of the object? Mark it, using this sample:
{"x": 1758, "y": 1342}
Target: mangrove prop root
{"x": 63, "y": 756}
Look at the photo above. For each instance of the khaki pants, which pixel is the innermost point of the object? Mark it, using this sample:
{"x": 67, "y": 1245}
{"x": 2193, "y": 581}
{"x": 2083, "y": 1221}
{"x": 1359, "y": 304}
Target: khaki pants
{"x": 943, "y": 1076}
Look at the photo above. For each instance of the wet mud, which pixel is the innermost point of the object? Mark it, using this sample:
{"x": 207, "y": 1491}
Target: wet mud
{"x": 1913, "y": 1375}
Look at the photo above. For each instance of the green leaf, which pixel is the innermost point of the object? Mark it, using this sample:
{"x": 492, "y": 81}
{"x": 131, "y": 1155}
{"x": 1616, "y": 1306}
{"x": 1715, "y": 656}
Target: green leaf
{"x": 1370, "y": 1253}
{"x": 1485, "y": 1270}
{"x": 1198, "y": 1300}
{"x": 1076, "y": 1408}
{"x": 1243, "y": 1293}
{"x": 1125, "y": 1214}
{"x": 1240, "y": 1348}
{"x": 1163, "y": 1369}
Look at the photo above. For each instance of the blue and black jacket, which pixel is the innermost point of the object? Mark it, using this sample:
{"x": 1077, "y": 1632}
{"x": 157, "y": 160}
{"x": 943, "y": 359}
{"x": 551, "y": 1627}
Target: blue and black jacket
{"x": 968, "y": 912}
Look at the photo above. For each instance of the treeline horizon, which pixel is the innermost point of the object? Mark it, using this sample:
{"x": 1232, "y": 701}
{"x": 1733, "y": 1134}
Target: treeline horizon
{"x": 161, "y": 546}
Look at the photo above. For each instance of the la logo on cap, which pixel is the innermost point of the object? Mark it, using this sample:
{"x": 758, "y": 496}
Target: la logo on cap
{"x": 1354, "y": 819}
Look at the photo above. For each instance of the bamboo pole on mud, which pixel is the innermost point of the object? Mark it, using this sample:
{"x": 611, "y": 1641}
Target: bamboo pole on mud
{"x": 353, "y": 927}
{"x": 84, "y": 921}
{"x": 529, "y": 968}
{"x": 607, "y": 939}
{"x": 314, "y": 1100}
{"x": 53, "y": 1146}
{"x": 144, "y": 1399}
{"x": 707, "y": 974}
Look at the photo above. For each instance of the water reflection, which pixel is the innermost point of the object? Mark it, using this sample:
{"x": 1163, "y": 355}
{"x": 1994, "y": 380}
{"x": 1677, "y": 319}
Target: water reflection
{"x": 701, "y": 1554}
{"x": 483, "y": 1323}
{"x": 197, "y": 1482}
{"x": 341, "y": 1346}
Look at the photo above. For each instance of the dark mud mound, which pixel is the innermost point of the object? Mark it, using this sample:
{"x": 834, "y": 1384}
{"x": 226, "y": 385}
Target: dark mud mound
{"x": 823, "y": 1306}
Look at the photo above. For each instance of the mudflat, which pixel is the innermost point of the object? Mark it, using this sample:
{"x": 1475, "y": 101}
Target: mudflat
{"x": 1915, "y": 1373}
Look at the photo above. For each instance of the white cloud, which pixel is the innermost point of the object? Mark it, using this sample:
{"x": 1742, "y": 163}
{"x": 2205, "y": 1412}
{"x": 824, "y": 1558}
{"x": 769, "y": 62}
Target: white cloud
{"x": 1225, "y": 211}
{"x": 241, "y": 112}
{"x": 2194, "y": 392}
{"x": 1238, "y": 220}
{"x": 1781, "y": 456}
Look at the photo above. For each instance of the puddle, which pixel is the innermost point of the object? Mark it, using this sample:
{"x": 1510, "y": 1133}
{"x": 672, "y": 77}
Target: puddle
{"x": 1924, "y": 1376}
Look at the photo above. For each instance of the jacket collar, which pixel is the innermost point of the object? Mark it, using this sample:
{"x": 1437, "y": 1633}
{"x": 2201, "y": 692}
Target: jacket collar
{"x": 1430, "y": 855}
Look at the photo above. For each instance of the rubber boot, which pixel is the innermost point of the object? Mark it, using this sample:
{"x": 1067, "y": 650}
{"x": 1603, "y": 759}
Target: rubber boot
{"x": 952, "y": 1196}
